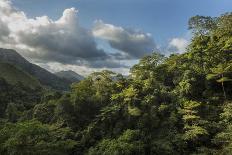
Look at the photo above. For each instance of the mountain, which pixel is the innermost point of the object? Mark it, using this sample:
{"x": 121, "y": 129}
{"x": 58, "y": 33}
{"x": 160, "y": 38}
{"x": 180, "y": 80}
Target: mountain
{"x": 44, "y": 77}
{"x": 14, "y": 75}
{"x": 70, "y": 75}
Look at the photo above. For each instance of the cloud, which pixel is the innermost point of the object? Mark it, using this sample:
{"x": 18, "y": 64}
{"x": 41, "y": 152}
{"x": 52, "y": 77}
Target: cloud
{"x": 4, "y": 31}
{"x": 64, "y": 43}
{"x": 178, "y": 45}
{"x": 82, "y": 69}
{"x": 134, "y": 43}
{"x": 45, "y": 40}
{"x": 63, "y": 40}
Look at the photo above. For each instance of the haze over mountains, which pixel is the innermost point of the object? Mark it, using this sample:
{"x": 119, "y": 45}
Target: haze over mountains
{"x": 69, "y": 75}
{"x": 14, "y": 61}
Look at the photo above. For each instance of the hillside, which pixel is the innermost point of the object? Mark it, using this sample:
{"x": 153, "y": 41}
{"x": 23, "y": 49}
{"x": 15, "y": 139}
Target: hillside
{"x": 13, "y": 75}
{"x": 70, "y": 75}
{"x": 45, "y": 77}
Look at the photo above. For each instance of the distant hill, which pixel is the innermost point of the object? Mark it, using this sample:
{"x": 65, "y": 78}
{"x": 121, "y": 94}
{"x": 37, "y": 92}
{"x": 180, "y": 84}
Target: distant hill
{"x": 44, "y": 77}
{"x": 70, "y": 75}
{"x": 14, "y": 75}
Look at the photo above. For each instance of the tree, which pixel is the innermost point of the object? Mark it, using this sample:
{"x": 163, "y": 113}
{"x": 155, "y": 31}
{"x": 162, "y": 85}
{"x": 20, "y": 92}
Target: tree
{"x": 12, "y": 112}
{"x": 193, "y": 124}
{"x": 34, "y": 138}
{"x": 219, "y": 73}
{"x": 127, "y": 144}
{"x": 201, "y": 25}
{"x": 145, "y": 68}
{"x": 224, "y": 138}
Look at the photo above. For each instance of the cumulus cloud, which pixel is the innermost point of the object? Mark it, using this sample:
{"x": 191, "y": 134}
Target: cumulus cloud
{"x": 178, "y": 45}
{"x": 64, "y": 43}
{"x": 132, "y": 42}
{"x": 63, "y": 40}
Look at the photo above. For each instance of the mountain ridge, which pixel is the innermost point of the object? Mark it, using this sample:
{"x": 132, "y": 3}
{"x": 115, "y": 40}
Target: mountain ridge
{"x": 70, "y": 75}
{"x": 45, "y": 77}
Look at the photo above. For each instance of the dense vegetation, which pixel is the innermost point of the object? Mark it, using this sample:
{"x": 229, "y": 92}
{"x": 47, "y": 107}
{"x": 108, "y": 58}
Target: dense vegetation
{"x": 181, "y": 104}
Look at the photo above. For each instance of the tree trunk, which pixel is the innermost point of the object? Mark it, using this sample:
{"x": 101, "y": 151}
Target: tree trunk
{"x": 223, "y": 88}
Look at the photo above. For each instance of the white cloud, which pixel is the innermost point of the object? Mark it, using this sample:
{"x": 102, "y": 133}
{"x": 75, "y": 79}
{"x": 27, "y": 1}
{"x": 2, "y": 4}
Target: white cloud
{"x": 134, "y": 43}
{"x": 63, "y": 40}
{"x": 83, "y": 70}
{"x": 63, "y": 44}
{"x": 178, "y": 44}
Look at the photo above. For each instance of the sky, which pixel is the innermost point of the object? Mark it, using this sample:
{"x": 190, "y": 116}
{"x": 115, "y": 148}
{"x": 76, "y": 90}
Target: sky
{"x": 91, "y": 35}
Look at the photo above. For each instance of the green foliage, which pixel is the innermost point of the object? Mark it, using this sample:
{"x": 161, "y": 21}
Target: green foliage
{"x": 224, "y": 138}
{"x": 32, "y": 137}
{"x": 194, "y": 128}
{"x": 15, "y": 75}
{"x": 219, "y": 74}
{"x": 127, "y": 144}
{"x": 201, "y": 24}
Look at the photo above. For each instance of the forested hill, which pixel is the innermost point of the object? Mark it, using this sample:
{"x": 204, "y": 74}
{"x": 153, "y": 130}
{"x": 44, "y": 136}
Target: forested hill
{"x": 45, "y": 77}
{"x": 15, "y": 75}
{"x": 176, "y": 105}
